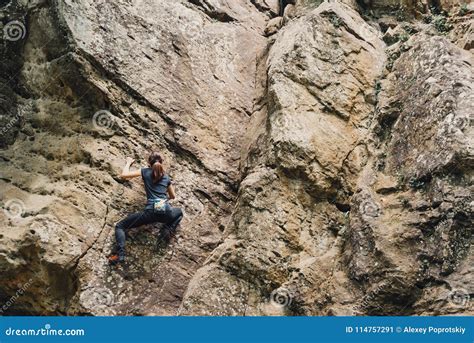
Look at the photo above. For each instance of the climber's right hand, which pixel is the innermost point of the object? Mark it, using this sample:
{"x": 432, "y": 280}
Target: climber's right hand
{"x": 126, "y": 173}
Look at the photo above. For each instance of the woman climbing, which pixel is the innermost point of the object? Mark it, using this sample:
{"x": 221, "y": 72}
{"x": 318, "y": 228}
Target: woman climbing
{"x": 158, "y": 190}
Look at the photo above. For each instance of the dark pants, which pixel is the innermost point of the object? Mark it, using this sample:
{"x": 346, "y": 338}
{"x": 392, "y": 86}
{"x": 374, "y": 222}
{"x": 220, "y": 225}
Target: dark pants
{"x": 171, "y": 217}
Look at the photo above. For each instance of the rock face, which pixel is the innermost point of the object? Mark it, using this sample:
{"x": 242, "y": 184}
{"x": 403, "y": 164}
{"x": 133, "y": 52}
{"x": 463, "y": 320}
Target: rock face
{"x": 343, "y": 208}
{"x": 301, "y": 166}
{"x": 321, "y": 172}
{"x": 102, "y": 81}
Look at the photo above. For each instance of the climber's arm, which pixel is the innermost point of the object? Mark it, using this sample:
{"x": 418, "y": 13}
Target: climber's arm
{"x": 126, "y": 173}
{"x": 171, "y": 193}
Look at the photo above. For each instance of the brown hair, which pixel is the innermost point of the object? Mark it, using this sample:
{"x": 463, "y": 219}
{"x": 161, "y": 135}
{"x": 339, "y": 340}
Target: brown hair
{"x": 156, "y": 164}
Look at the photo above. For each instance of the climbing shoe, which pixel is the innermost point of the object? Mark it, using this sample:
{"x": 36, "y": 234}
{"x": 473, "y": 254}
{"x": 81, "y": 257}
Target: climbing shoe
{"x": 164, "y": 238}
{"x": 116, "y": 259}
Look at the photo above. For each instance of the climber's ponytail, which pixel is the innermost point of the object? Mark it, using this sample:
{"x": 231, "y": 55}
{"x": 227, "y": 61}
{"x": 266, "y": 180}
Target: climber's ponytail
{"x": 156, "y": 164}
{"x": 158, "y": 172}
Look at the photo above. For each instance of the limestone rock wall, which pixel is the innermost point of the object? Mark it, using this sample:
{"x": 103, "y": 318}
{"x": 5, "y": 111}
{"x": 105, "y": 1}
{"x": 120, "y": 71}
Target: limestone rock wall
{"x": 100, "y": 81}
{"x": 343, "y": 209}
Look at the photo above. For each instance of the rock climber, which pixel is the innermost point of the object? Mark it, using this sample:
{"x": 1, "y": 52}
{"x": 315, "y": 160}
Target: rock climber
{"x": 158, "y": 190}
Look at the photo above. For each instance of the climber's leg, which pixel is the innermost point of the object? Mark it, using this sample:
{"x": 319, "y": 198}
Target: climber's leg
{"x": 173, "y": 218}
{"x": 176, "y": 216}
{"x": 131, "y": 221}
